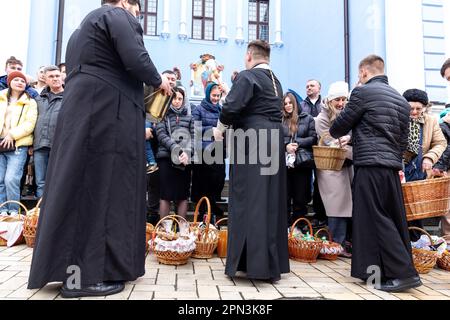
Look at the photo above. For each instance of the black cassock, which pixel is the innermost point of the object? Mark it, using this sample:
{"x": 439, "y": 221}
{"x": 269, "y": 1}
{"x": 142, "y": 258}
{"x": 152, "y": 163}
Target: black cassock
{"x": 257, "y": 226}
{"x": 93, "y": 214}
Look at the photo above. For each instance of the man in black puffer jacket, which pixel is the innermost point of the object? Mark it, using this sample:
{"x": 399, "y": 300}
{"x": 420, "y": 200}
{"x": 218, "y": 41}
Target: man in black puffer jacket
{"x": 378, "y": 116}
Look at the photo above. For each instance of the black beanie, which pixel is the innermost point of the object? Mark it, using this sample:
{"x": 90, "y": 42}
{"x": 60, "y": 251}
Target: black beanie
{"x": 416, "y": 95}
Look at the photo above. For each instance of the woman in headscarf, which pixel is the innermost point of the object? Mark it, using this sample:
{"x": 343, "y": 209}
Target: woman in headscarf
{"x": 208, "y": 177}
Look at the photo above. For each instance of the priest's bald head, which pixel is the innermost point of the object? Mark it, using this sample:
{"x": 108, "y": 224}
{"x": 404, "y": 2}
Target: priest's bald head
{"x": 258, "y": 52}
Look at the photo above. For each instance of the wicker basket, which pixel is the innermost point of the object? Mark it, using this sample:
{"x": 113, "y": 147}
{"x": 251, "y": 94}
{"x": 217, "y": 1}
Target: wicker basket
{"x": 444, "y": 261}
{"x": 222, "y": 244}
{"x": 303, "y": 251}
{"x": 148, "y": 235}
{"x": 207, "y": 238}
{"x": 329, "y": 158}
{"x": 424, "y": 260}
{"x": 171, "y": 258}
{"x": 30, "y": 225}
{"x": 426, "y": 199}
{"x": 19, "y": 217}
{"x": 330, "y": 244}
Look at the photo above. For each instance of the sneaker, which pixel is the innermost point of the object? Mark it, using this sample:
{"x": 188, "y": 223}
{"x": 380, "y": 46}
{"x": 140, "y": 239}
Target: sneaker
{"x": 4, "y": 214}
{"x": 152, "y": 168}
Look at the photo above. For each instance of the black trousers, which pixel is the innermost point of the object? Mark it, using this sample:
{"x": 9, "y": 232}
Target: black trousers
{"x": 380, "y": 230}
{"x": 153, "y": 198}
{"x": 298, "y": 193}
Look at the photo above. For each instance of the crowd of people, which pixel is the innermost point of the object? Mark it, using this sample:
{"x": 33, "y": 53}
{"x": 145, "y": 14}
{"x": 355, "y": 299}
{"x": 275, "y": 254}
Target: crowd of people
{"x": 89, "y": 159}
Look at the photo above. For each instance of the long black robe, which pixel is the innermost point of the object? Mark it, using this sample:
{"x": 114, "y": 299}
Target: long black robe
{"x": 93, "y": 213}
{"x": 257, "y": 226}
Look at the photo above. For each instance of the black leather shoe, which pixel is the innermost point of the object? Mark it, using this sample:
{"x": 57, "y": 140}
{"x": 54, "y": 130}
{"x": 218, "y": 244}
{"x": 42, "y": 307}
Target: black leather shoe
{"x": 96, "y": 290}
{"x": 400, "y": 285}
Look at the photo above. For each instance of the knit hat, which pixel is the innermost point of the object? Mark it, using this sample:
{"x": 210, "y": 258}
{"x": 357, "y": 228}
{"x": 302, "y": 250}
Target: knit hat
{"x": 337, "y": 90}
{"x": 16, "y": 74}
{"x": 416, "y": 95}
{"x": 443, "y": 114}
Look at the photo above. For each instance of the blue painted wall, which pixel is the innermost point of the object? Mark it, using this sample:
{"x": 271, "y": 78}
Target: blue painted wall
{"x": 313, "y": 36}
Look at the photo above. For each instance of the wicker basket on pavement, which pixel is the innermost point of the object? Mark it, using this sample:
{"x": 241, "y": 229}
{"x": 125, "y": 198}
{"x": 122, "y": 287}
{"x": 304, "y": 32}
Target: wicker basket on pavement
{"x": 427, "y": 198}
{"x": 329, "y": 158}
{"x": 20, "y": 217}
{"x": 30, "y": 225}
{"x": 207, "y": 238}
{"x": 223, "y": 239}
{"x": 172, "y": 258}
{"x": 424, "y": 260}
{"x": 301, "y": 250}
{"x": 336, "y": 248}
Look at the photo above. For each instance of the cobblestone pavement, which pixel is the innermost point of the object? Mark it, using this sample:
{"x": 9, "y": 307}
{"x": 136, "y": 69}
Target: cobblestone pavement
{"x": 205, "y": 280}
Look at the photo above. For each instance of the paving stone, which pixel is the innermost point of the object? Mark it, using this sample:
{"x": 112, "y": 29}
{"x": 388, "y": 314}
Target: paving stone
{"x": 345, "y": 296}
{"x": 369, "y": 297}
{"x": 154, "y": 288}
{"x": 50, "y": 292}
{"x": 231, "y": 296}
{"x": 139, "y": 295}
{"x": 175, "y": 295}
{"x": 237, "y": 289}
{"x": 261, "y": 296}
{"x": 6, "y": 275}
{"x": 13, "y": 283}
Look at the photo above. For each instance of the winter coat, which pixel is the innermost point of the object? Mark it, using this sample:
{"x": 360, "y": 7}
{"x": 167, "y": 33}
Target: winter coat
{"x": 49, "y": 106}
{"x": 23, "y": 119}
{"x": 379, "y": 118}
{"x": 335, "y": 186}
{"x": 444, "y": 162}
{"x": 434, "y": 142}
{"x": 181, "y": 135}
{"x": 208, "y": 115}
{"x": 306, "y": 136}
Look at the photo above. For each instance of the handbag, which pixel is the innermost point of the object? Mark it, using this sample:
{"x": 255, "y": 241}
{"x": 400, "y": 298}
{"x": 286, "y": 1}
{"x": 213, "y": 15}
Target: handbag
{"x": 13, "y": 148}
{"x": 304, "y": 158}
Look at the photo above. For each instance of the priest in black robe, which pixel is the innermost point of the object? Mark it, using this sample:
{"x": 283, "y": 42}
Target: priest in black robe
{"x": 91, "y": 232}
{"x": 378, "y": 116}
{"x": 257, "y": 226}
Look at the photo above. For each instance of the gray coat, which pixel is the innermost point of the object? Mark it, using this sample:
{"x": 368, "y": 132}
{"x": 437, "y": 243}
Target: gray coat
{"x": 49, "y": 106}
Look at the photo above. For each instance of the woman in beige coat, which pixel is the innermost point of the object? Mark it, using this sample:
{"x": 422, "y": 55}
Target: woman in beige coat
{"x": 335, "y": 186}
{"x": 426, "y": 144}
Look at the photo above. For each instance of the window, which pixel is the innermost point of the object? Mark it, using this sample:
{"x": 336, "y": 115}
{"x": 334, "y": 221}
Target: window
{"x": 150, "y": 16}
{"x": 203, "y": 19}
{"x": 258, "y": 20}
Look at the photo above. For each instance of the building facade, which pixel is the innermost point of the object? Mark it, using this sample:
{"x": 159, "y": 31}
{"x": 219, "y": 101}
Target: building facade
{"x": 311, "y": 39}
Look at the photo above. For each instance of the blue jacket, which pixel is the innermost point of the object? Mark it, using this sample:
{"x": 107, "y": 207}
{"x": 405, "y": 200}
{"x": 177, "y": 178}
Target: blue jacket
{"x": 208, "y": 115}
{"x": 4, "y": 85}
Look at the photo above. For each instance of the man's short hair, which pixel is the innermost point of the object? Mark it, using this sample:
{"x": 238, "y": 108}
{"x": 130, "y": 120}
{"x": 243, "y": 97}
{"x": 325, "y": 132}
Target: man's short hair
{"x": 50, "y": 69}
{"x": 445, "y": 66}
{"x": 13, "y": 60}
{"x": 132, "y": 2}
{"x": 61, "y": 65}
{"x": 311, "y": 80}
{"x": 170, "y": 72}
{"x": 374, "y": 63}
{"x": 259, "y": 49}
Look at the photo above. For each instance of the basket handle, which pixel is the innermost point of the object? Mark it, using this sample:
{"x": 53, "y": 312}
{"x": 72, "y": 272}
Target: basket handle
{"x": 34, "y": 212}
{"x": 171, "y": 217}
{"x": 197, "y": 209}
{"x": 220, "y": 221}
{"x": 298, "y": 220}
{"x": 328, "y": 232}
{"x": 15, "y": 202}
{"x": 423, "y": 231}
